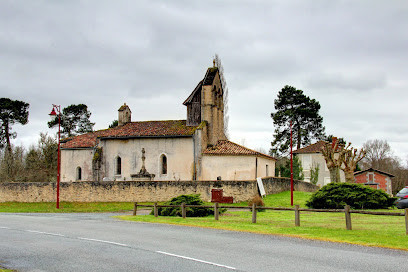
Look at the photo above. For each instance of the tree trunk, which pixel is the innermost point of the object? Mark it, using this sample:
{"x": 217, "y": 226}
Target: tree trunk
{"x": 7, "y": 134}
{"x": 334, "y": 174}
{"x": 349, "y": 176}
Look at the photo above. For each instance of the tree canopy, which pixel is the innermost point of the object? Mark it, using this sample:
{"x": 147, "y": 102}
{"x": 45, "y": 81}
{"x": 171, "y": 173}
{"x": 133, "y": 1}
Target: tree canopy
{"x": 307, "y": 124}
{"x": 74, "y": 120}
{"x": 11, "y": 112}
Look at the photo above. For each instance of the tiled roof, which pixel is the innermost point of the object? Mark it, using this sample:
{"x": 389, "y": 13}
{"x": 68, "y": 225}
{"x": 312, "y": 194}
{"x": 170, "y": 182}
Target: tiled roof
{"x": 313, "y": 148}
{"x": 373, "y": 170}
{"x": 171, "y": 128}
{"x": 225, "y": 147}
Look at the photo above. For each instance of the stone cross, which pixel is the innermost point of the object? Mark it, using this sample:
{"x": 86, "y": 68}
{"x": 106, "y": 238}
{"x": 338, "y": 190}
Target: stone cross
{"x": 143, "y": 161}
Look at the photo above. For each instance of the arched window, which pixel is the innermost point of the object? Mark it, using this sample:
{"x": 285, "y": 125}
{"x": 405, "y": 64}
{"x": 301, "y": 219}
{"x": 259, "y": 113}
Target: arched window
{"x": 78, "y": 173}
{"x": 118, "y": 166}
{"x": 163, "y": 165}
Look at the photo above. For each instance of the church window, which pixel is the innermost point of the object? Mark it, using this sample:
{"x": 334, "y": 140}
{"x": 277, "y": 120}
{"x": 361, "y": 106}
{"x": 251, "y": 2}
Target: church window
{"x": 163, "y": 165}
{"x": 78, "y": 173}
{"x": 118, "y": 166}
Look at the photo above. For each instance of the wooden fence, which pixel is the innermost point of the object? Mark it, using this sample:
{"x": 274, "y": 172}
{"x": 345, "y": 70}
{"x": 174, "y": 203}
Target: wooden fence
{"x": 347, "y": 212}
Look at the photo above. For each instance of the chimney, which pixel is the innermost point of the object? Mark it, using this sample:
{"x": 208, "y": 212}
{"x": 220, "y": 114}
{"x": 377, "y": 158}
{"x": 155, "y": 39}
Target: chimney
{"x": 124, "y": 115}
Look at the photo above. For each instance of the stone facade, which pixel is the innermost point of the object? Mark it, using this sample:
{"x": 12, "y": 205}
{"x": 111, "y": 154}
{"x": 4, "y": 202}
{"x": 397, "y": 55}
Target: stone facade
{"x": 191, "y": 149}
{"x": 141, "y": 191}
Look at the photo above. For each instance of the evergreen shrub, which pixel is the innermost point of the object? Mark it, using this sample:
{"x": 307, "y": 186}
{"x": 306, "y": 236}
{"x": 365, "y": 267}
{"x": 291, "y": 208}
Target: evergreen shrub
{"x": 193, "y": 199}
{"x": 357, "y": 196}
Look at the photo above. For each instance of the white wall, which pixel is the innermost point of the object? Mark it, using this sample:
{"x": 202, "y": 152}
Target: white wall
{"x": 309, "y": 159}
{"x": 73, "y": 158}
{"x": 235, "y": 167}
{"x": 179, "y": 153}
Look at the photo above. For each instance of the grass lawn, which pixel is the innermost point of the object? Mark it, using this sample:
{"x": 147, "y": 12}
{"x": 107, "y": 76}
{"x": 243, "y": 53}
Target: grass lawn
{"x": 65, "y": 207}
{"x": 369, "y": 230}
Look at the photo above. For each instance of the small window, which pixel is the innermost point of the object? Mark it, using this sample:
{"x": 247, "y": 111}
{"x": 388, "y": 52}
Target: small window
{"x": 118, "y": 166}
{"x": 163, "y": 165}
{"x": 78, "y": 173}
{"x": 267, "y": 170}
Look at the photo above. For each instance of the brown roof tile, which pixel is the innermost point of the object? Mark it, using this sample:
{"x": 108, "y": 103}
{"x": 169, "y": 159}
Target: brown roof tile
{"x": 225, "y": 147}
{"x": 170, "y": 128}
{"x": 313, "y": 148}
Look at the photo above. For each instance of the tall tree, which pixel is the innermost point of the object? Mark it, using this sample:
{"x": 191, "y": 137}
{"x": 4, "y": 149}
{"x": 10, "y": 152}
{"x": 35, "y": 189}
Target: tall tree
{"x": 74, "y": 120}
{"x": 378, "y": 154}
{"x": 224, "y": 86}
{"x": 11, "y": 112}
{"x": 307, "y": 124}
{"x": 282, "y": 168}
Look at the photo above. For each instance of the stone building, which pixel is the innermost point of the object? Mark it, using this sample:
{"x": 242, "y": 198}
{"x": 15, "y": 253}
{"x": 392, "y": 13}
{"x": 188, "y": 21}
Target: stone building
{"x": 191, "y": 149}
{"x": 311, "y": 157}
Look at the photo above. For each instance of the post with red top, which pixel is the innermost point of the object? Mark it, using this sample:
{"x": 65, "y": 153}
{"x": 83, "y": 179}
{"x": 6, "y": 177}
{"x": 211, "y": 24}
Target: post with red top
{"x": 56, "y": 110}
{"x": 291, "y": 167}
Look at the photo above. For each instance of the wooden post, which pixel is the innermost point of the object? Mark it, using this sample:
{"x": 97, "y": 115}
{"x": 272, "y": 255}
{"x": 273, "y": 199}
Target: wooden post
{"x": 297, "y": 216}
{"x": 135, "y": 209}
{"x": 348, "y": 217}
{"x": 183, "y": 210}
{"x": 253, "y": 213}
{"x": 406, "y": 221}
{"x": 155, "y": 211}
{"x": 216, "y": 213}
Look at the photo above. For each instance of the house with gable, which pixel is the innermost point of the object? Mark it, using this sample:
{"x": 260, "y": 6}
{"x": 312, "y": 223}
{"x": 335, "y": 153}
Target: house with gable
{"x": 191, "y": 149}
{"x": 311, "y": 156}
{"x": 375, "y": 179}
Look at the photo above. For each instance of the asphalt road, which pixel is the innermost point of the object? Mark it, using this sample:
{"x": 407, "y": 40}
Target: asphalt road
{"x": 97, "y": 242}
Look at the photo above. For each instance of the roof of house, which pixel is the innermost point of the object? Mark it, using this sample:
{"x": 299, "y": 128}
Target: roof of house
{"x": 374, "y": 170}
{"x": 225, "y": 147}
{"x": 313, "y": 148}
{"x": 169, "y": 128}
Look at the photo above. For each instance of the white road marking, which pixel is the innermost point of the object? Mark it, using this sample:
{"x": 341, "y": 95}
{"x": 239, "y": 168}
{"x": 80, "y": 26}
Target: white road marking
{"x": 47, "y": 233}
{"x": 102, "y": 241}
{"x": 196, "y": 260}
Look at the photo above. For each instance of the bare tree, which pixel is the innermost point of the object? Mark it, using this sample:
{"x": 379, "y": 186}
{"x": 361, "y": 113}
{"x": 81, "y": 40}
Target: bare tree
{"x": 334, "y": 154}
{"x": 378, "y": 154}
{"x": 350, "y": 159}
{"x": 224, "y": 86}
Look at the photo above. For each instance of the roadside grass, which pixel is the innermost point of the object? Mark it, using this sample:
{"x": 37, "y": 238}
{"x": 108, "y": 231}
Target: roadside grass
{"x": 368, "y": 230}
{"x": 65, "y": 207}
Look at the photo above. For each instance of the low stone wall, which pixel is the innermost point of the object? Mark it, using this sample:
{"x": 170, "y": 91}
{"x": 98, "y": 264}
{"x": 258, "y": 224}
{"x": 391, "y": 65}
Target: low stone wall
{"x": 140, "y": 191}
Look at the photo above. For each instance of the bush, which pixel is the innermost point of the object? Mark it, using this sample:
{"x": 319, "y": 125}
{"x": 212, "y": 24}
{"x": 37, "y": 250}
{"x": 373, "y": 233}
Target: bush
{"x": 190, "y": 212}
{"x": 258, "y": 201}
{"x": 357, "y": 196}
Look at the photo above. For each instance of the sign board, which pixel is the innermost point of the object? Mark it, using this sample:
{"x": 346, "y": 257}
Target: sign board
{"x": 261, "y": 187}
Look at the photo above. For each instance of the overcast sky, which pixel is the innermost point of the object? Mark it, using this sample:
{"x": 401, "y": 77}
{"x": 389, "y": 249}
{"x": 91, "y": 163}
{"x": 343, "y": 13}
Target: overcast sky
{"x": 351, "y": 56}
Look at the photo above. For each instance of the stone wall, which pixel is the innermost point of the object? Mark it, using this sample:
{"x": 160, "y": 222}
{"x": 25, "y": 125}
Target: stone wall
{"x": 140, "y": 191}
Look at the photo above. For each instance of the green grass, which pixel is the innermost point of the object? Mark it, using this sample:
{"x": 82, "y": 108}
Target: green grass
{"x": 65, "y": 207}
{"x": 368, "y": 230}
{"x": 6, "y": 270}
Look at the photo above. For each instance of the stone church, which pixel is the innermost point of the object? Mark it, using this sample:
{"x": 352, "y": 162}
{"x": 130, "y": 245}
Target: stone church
{"x": 192, "y": 149}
